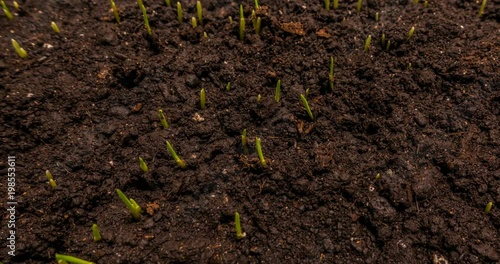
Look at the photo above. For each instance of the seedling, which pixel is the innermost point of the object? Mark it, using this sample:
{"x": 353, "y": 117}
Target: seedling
{"x": 258, "y": 98}
{"x": 331, "y": 77}
{"x": 96, "y": 233}
{"x": 256, "y": 2}
{"x": 180, "y": 163}
{"x": 54, "y": 27}
{"x": 179, "y": 12}
{"x": 72, "y": 259}
{"x": 306, "y": 105}
{"x": 16, "y": 5}
{"x": 277, "y": 93}
{"x": 51, "y": 179}
{"x": 230, "y": 19}
{"x": 202, "y": 99}
{"x": 145, "y": 16}
{"x": 488, "y": 208}
{"x": 237, "y": 225}
{"x": 376, "y": 17}
{"x": 307, "y": 92}
{"x": 358, "y": 7}
{"x": 377, "y": 177}
{"x": 6, "y": 10}
{"x": 415, "y": 1}
{"x": 253, "y": 17}
{"x": 193, "y": 22}
{"x": 199, "y": 11}
{"x": 335, "y": 4}
{"x": 426, "y": 3}
{"x": 132, "y": 206}
{"x": 242, "y": 24}
{"x": 205, "y": 34}
{"x": 115, "y": 11}
{"x": 367, "y": 42}
{"x": 143, "y": 165}
{"x": 481, "y": 9}
{"x": 228, "y": 86}
{"x": 410, "y": 33}
{"x": 20, "y": 51}
{"x": 258, "y": 148}
{"x": 382, "y": 40}
{"x": 257, "y": 26}
{"x": 244, "y": 141}
{"x": 163, "y": 120}
{"x": 61, "y": 262}
{"x": 168, "y": 3}
{"x": 388, "y": 45}
{"x": 327, "y": 5}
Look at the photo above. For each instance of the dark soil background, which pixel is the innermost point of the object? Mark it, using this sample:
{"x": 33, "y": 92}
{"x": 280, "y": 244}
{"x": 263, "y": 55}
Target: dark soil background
{"x": 84, "y": 106}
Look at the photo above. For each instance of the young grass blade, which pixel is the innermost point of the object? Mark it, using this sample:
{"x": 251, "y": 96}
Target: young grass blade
{"x": 306, "y": 105}
{"x": 244, "y": 141}
{"x": 6, "y": 10}
{"x": 202, "y": 99}
{"x": 228, "y": 86}
{"x": 358, "y": 7}
{"x": 410, "y": 33}
{"x": 163, "y": 120}
{"x": 143, "y": 165}
{"x": 327, "y": 5}
{"x": 20, "y": 51}
{"x": 239, "y": 233}
{"x": 277, "y": 94}
{"x": 179, "y": 162}
{"x": 242, "y": 24}
{"x": 331, "y": 76}
{"x": 367, "y": 42}
{"x": 96, "y": 233}
{"x": 179, "y": 12}
{"x": 115, "y": 11}
{"x": 199, "y": 11}
{"x": 488, "y": 208}
{"x": 72, "y": 259}
{"x": 133, "y": 207}
{"x": 54, "y": 27}
{"x": 258, "y": 148}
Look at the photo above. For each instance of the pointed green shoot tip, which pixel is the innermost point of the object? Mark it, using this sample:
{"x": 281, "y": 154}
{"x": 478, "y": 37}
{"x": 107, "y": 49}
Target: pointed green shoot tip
{"x": 331, "y": 76}
{"x": 335, "y": 4}
{"x": 327, "y": 5}
{"x": 488, "y": 208}
{"x": 133, "y": 207}
{"x": 199, "y": 12}
{"x": 143, "y": 165}
{"x": 306, "y": 105}
{"x": 258, "y": 98}
{"x": 179, "y": 12}
{"x": 202, "y": 99}
{"x": 163, "y": 120}
{"x": 96, "y": 233}
{"x": 277, "y": 94}
{"x": 146, "y": 20}
{"x": 180, "y": 163}
{"x": 115, "y": 11}
{"x": 237, "y": 224}
{"x": 168, "y": 3}
{"x": 367, "y": 42}
{"x": 256, "y": 4}
{"x": 6, "y": 10}
{"x": 228, "y": 86}
{"x": 258, "y": 148}
{"x": 193, "y": 22}
{"x": 410, "y": 33}
{"x": 358, "y": 7}
{"x": 48, "y": 175}
{"x": 20, "y": 51}
{"x": 72, "y": 259}
{"x": 54, "y": 27}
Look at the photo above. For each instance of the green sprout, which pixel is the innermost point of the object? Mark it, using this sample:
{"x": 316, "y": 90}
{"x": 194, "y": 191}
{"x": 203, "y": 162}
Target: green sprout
{"x": 143, "y": 165}
{"x": 16, "y": 5}
{"x": 72, "y": 259}
{"x": 481, "y": 9}
{"x": 377, "y": 177}
{"x": 168, "y": 3}
{"x": 382, "y": 40}
{"x": 257, "y": 26}
{"x": 410, "y": 33}
{"x": 258, "y": 148}
{"x": 256, "y": 2}
{"x": 132, "y": 206}
{"x": 358, "y": 7}
{"x": 327, "y": 5}
{"x": 163, "y": 120}
{"x": 205, "y": 34}
{"x": 277, "y": 92}
{"x": 376, "y": 17}
{"x": 426, "y": 3}
{"x": 388, "y": 45}
{"x": 6, "y": 10}
{"x": 306, "y": 105}
{"x": 415, "y": 1}
{"x": 96, "y": 233}
{"x": 199, "y": 11}
{"x": 230, "y": 19}
{"x": 61, "y": 262}
{"x": 242, "y": 24}
{"x": 145, "y": 16}
{"x": 202, "y": 99}
{"x": 228, "y": 86}
{"x": 307, "y": 92}
{"x": 244, "y": 141}
{"x": 253, "y": 18}
{"x": 20, "y": 51}
{"x": 335, "y": 4}
{"x": 193, "y": 22}
{"x": 51, "y": 179}
{"x": 237, "y": 224}
{"x": 115, "y": 11}
{"x": 180, "y": 163}
{"x": 54, "y": 27}
{"x": 331, "y": 77}
{"x": 258, "y": 98}
{"x": 179, "y": 12}
{"x": 488, "y": 208}
{"x": 367, "y": 42}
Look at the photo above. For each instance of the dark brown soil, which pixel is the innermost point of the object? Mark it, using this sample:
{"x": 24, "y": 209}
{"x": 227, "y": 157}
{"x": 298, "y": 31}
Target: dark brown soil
{"x": 85, "y": 108}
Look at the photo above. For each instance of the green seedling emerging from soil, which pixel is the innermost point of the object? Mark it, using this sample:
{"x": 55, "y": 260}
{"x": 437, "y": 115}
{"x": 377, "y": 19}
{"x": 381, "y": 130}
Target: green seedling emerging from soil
{"x": 143, "y": 165}
{"x": 306, "y": 105}
{"x": 410, "y": 33}
{"x": 376, "y": 17}
{"x": 16, "y": 5}
{"x": 180, "y": 163}
{"x": 277, "y": 93}
{"x": 382, "y": 40}
{"x": 51, "y": 179}
{"x": 481, "y": 9}
{"x": 258, "y": 148}
{"x": 193, "y": 22}
{"x": 388, "y": 45}
{"x": 367, "y": 42}
{"x": 415, "y": 1}
{"x": 244, "y": 141}
{"x": 115, "y": 11}
{"x": 256, "y": 2}
{"x": 205, "y": 34}
{"x": 335, "y": 4}
{"x": 228, "y": 86}
{"x": 179, "y": 12}
{"x": 426, "y": 3}
{"x": 145, "y": 16}
{"x": 133, "y": 207}
{"x": 331, "y": 76}
{"x": 168, "y": 3}
{"x": 258, "y": 98}
{"x": 488, "y": 208}
{"x": 72, "y": 259}
{"x": 199, "y": 12}
{"x": 20, "y": 51}
{"x": 327, "y": 5}
{"x": 54, "y": 27}
{"x": 96, "y": 233}
{"x": 6, "y": 11}
{"x": 203, "y": 99}
{"x": 237, "y": 224}
{"x": 242, "y": 24}
{"x": 163, "y": 120}
{"x": 358, "y": 7}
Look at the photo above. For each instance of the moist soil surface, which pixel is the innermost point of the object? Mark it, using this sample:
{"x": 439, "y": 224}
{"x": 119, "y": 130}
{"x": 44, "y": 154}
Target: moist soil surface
{"x": 397, "y": 166}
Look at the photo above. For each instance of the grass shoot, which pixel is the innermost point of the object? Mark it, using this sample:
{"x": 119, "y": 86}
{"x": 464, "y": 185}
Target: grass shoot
{"x": 306, "y": 105}
{"x": 488, "y": 208}
{"x": 426, "y": 3}
{"x": 257, "y": 26}
{"x": 145, "y": 16}
{"x": 193, "y": 22}
{"x": 388, "y": 45}
{"x": 358, "y": 7}
{"x": 244, "y": 141}
{"x": 481, "y": 9}
{"x": 168, "y": 3}
{"x": 16, "y": 5}
{"x": 335, "y": 4}
{"x": 20, "y": 51}
{"x": 205, "y": 34}
{"x": 382, "y": 40}
{"x": 72, "y": 259}
{"x": 307, "y": 92}
{"x": 416, "y": 1}
{"x": 230, "y": 19}
{"x": 258, "y": 98}
{"x": 203, "y": 99}
{"x": 228, "y": 86}
{"x": 179, "y": 12}
{"x": 163, "y": 120}
{"x": 115, "y": 11}
{"x": 331, "y": 77}
{"x": 258, "y": 148}
{"x": 367, "y": 42}
{"x": 256, "y": 2}
{"x": 376, "y": 17}
{"x": 410, "y": 33}
{"x": 96, "y": 233}
{"x": 242, "y": 24}
{"x": 133, "y": 207}
{"x": 143, "y": 165}
{"x": 54, "y": 27}
{"x": 327, "y": 5}
{"x": 51, "y": 179}
{"x": 6, "y": 10}
{"x": 180, "y": 163}
{"x": 277, "y": 93}
{"x": 199, "y": 12}
{"x": 237, "y": 224}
